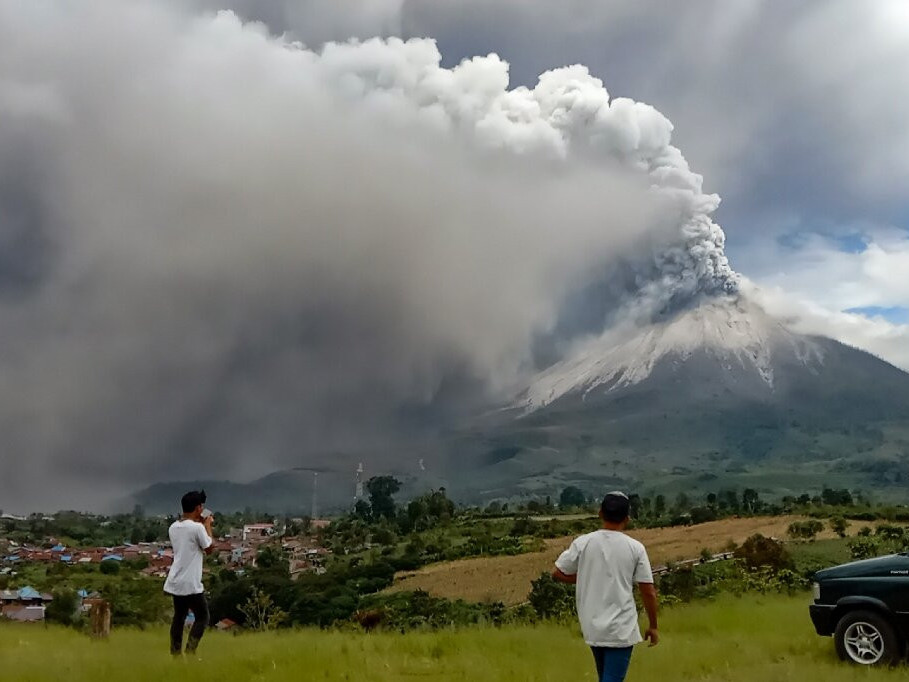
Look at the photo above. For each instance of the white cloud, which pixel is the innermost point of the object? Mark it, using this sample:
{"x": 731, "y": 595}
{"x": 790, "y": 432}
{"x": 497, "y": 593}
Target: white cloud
{"x": 818, "y": 270}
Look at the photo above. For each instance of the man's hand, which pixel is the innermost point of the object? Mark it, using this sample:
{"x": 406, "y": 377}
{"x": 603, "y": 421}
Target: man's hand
{"x": 649, "y": 597}
{"x": 558, "y": 576}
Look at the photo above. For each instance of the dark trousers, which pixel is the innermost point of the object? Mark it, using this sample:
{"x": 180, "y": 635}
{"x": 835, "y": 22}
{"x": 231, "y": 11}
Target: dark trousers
{"x": 612, "y": 664}
{"x": 183, "y": 605}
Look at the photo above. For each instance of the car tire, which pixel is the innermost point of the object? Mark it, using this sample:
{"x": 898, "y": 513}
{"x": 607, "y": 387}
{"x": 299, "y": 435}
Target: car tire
{"x": 867, "y": 638}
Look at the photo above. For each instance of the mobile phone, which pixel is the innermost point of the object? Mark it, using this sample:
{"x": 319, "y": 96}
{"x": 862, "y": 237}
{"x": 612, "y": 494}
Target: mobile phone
{"x": 206, "y": 513}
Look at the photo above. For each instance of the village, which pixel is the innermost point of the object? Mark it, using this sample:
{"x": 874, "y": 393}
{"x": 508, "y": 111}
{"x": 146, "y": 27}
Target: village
{"x": 236, "y": 550}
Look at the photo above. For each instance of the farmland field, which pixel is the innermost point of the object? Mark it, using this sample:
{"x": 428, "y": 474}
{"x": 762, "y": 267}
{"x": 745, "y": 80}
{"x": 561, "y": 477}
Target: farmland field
{"x": 742, "y": 639}
{"x": 508, "y": 578}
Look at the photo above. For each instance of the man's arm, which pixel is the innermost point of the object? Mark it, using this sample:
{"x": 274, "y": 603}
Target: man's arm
{"x": 649, "y": 597}
{"x": 557, "y": 575}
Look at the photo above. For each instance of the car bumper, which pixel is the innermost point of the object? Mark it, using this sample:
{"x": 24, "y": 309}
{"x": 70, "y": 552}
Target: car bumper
{"x": 822, "y": 617}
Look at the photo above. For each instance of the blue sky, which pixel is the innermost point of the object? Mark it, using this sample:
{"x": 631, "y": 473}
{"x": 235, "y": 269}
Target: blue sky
{"x": 894, "y": 314}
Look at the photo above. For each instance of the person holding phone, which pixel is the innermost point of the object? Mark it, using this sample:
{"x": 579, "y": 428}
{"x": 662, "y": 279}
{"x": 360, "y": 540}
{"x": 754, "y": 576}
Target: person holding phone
{"x": 191, "y": 538}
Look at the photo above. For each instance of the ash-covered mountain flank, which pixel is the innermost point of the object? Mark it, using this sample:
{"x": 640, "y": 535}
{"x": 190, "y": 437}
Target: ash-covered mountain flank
{"x": 719, "y": 395}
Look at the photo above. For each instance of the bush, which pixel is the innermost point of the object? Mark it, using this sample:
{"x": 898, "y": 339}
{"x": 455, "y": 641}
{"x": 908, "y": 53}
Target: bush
{"x": 64, "y": 607}
{"x": 552, "y": 599}
{"x": 524, "y": 525}
{"x": 681, "y": 583}
{"x": 864, "y": 547}
{"x": 412, "y": 610}
{"x": 110, "y": 567}
{"x": 758, "y": 551}
{"x": 839, "y": 525}
{"x": 805, "y": 530}
{"x": 890, "y": 533}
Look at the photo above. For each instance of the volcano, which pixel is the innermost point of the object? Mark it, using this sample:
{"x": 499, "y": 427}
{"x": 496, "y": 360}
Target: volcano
{"x": 719, "y": 395}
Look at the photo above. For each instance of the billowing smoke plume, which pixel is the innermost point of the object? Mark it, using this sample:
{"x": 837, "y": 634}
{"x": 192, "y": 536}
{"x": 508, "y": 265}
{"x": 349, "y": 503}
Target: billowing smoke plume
{"x": 221, "y": 252}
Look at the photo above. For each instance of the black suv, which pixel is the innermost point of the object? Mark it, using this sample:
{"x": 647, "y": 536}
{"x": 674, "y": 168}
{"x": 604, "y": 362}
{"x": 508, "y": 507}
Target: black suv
{"x": 865, "y": 606}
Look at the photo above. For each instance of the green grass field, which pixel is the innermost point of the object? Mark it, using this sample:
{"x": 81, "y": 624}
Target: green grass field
{"x": 747, "y": 639}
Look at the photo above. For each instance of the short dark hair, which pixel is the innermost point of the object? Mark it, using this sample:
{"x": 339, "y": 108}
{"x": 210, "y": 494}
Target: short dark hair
{"x": 191, "y": 500}
{"x": 615, "y": 507}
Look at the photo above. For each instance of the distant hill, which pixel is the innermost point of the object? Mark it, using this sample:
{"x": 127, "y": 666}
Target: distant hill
{"x": 288, "y": 491}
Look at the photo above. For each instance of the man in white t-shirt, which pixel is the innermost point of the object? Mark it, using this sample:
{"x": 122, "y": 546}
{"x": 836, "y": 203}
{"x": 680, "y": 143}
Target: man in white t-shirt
{"x": 604, "y": 565}
{"x": 191, "y": 539}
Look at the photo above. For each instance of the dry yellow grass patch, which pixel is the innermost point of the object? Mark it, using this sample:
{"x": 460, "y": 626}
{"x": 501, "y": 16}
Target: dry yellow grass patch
{"x": 507, "y": 578}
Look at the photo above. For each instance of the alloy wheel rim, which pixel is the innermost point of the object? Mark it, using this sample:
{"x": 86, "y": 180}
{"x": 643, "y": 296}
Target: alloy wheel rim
{"x": 864, "y": 643}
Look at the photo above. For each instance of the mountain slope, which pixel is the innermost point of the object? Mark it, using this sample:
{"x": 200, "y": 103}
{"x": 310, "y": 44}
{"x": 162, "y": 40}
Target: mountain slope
{"x": 722, "y": 394}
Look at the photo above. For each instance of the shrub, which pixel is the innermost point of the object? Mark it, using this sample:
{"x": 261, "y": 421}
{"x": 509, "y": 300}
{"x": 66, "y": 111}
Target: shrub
{"x": 64, "y": 608}
{"x": 410, "y": 610}
{"x": 864, "y": 547}
{"x": 758, "y": 551}
{"x": 839, "y": 525}
{"x": 890, "y": 533}
{"x": 110, "y": 567}
{"x": 805, "y": 530}
{"x": 679, "y": 583}
{"x": 261, "y": 612}
{"x": 552, "y": 599}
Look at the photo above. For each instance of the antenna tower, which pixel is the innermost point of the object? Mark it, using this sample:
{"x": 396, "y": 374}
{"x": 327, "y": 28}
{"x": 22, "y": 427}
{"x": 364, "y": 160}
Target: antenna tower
{"x": 358, "y": 493}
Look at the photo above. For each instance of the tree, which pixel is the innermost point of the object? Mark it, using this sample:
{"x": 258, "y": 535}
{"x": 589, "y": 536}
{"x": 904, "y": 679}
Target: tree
{"x": 362, "y": 510}
{"x": 750, "y": 500}
{"x": 381, "y": 491}
{"x": 271, "y": 558}
{"x": 63, "y": 608}
{"x": 659, "y": 505}
{"x": 805, "y": 530}
{"x": 682, "y": 503}
{"x": 572, "y": 496}
{"x": 110, "y": 567}
{"x": 728, "y": 499}
{"x": 836, "y": 498}
{"x": 839, "y": 525}
{"x": 261, "y": 612}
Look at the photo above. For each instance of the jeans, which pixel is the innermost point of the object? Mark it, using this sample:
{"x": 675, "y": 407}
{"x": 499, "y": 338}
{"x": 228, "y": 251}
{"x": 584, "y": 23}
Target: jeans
{"x": 182, "y": 605}
{"x": 612, "y": 664}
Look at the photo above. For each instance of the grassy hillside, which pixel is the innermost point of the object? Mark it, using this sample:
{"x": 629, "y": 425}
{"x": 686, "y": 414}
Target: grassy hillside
{"x": 746, "y": 639}
{"x": 507, "y": 578}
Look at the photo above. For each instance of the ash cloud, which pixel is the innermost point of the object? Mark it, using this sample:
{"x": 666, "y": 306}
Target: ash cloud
{"x": 225, "y": 253}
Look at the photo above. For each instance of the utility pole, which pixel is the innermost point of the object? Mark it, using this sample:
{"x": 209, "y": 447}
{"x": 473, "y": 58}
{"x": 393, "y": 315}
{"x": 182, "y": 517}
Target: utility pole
{"x": 314, "y": 514}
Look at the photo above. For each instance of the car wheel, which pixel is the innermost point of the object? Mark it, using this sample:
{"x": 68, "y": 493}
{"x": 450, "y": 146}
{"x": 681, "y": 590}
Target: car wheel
{"x": 866, "y": 638}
